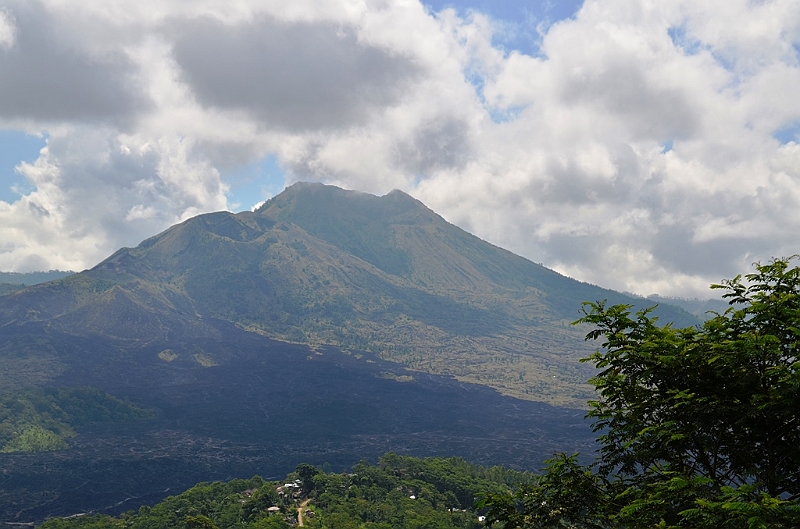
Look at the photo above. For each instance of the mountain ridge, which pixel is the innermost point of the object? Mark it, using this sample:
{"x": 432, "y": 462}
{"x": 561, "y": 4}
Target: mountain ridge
{"x": 321, "y": 265}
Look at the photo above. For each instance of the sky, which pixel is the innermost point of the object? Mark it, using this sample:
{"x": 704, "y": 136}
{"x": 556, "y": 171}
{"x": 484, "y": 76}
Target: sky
{"x": 641, "y": 145}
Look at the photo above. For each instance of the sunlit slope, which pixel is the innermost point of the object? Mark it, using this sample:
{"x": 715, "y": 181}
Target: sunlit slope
{"x": 320, "y": 265}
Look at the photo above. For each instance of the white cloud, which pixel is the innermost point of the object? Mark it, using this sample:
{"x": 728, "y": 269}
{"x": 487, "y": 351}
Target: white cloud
{"x": 636, "y": 151}
{"x": 8, "y": 30}
{"x": 96, "y": 190}
{"x": 585, "y": 182}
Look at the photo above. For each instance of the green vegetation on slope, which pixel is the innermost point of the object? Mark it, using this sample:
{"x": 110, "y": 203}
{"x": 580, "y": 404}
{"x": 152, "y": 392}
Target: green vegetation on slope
{"x": 400, "y": 492}
{"x": 41, "y": 420}
{"x": 9, "y": 288}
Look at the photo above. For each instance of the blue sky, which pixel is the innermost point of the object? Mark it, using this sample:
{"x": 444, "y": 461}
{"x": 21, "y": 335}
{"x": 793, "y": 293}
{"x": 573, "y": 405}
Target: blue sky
{"x": 522, "y": 19}
{"x": 787, "y": 133}
{"x": 16, "y": 147}
{"x": 255, "y": 182}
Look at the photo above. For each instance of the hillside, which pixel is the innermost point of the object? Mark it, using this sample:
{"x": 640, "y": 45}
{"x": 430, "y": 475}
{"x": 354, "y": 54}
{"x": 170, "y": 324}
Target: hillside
{"x": 318, "y": 265}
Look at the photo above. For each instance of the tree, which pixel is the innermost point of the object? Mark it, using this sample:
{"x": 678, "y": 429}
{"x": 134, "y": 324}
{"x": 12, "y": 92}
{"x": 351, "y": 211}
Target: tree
{"x": 200, "y": 522}
{"x": 566, "y": 495}
{"x": 698, "y": 427}
{"x": 306, "y": 473}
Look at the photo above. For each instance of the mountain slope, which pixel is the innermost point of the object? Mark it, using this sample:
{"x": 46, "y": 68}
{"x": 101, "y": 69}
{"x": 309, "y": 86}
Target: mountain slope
{"x": 320, "y": 265}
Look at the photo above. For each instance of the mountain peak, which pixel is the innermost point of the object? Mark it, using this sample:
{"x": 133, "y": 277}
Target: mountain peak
{"x": 330, "y": 199}
{"x": 321, "y": 264}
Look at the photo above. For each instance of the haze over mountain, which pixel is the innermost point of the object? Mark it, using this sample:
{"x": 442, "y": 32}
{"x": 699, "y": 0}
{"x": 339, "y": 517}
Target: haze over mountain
{"x": 14, "y": 281}
{"x": 317, "y": 265}
{"x": 31, "y": 278}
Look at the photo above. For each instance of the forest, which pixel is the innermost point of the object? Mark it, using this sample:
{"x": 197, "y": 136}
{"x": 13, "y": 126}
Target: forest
{"x": 400, "y": 491}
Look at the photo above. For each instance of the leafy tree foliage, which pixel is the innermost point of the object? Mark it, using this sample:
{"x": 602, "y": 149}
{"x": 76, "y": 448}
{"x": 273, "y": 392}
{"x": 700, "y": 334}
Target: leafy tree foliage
{"x": 698, "y": 427}
{"x": 306, "y": 473}
{"x": 402, "y": 491}
{"x": 566, "y": 495}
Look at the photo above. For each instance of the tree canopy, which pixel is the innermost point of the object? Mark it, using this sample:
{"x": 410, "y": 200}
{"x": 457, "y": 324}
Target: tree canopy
{"x": 401, "y": 491}
{"x": 698, "y": 426}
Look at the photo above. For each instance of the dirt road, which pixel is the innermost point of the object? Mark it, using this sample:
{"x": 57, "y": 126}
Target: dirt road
{"x": 300, "y": 512}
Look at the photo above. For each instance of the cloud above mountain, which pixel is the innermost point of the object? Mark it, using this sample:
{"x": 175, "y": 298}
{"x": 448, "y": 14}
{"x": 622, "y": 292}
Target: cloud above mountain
{"x": 294, "y": 77}
{"x": 649, "y": 147}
